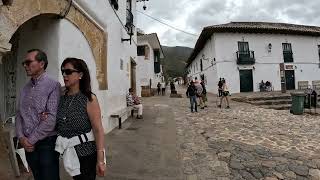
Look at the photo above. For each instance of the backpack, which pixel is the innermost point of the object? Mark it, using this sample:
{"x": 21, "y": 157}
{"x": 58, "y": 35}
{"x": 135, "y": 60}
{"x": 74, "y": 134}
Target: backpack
{"x": 199, "y": 90}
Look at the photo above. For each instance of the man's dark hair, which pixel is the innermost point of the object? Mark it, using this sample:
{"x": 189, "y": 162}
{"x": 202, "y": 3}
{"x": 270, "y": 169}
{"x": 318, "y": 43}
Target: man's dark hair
{"x": 41, "y": 56}
{"x": 130, "y": 90}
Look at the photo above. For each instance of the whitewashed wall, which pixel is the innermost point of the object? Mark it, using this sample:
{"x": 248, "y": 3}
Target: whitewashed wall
{"x": 114, "y": 99}
{"x": 61, "y": 39}
{"x": 225, "y": 46}
{"x": 209, "y": 67}
{"x": 145, "y": 67}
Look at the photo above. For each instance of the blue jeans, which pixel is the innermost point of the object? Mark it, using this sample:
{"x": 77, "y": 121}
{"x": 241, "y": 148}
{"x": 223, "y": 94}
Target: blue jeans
{"x": 44, "y": 160}
{"x": 193, "y": 103}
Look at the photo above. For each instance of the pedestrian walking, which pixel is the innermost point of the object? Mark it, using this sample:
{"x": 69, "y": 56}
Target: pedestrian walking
{"x": 158, "y": 88}
{"x": 163, "y": 88}
{"x": 225, "y": 94}
{"x": 37, "y": 136}
{"x": 204, "y": 94}
{"x": 191, "y": 93}
{"x": 220, "y": 87}
{"x": 199, "y": 91}
{"x": 80, "y": 131}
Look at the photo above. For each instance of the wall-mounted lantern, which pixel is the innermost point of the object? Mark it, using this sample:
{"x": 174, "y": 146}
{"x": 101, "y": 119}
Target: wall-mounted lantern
{"x": 269, "y": 47}
{"x": 144, "y": 3}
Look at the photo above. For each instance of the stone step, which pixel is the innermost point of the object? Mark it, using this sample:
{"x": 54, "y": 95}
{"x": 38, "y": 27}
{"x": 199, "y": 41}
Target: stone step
{"x": 272, "y": 102}
{"x": 264, "y": 98}
{"x": 277, "y": 107}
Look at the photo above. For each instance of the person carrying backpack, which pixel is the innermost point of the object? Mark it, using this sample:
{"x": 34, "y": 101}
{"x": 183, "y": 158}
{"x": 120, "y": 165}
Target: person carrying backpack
{"x": 191, "y": 93}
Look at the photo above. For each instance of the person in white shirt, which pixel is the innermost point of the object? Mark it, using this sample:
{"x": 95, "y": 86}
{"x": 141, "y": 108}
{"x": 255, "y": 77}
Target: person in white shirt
{"x": 163, "y": 88}
{"x": 133, "y": 100}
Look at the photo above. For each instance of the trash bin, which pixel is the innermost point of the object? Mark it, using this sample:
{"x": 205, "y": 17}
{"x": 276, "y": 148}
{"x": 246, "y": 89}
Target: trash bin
{"x": 297, "y": 103}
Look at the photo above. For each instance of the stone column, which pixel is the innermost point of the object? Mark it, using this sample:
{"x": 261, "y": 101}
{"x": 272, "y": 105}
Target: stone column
{"x": 4, "y": 48}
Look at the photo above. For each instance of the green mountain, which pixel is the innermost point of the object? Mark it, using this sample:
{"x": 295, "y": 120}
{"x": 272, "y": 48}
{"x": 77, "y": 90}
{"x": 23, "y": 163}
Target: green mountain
{"x": 175, "y": 60}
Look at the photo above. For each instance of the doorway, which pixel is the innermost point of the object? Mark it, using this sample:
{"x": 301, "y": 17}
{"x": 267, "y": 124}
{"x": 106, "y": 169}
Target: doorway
{"x": 246, "y": 80}
{"x": 290, "y": 79}
{"x": 8, "y": 72}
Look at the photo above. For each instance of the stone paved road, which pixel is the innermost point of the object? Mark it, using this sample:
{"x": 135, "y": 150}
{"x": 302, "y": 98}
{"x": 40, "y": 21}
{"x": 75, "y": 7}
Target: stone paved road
{"x": 247, "y": 142}
{"x": 244, "y": 142}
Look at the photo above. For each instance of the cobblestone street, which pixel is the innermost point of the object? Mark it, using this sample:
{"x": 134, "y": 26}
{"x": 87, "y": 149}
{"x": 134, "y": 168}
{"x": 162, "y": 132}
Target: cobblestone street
{"x": 244, "y": 142}
{"x": 247, "y": 142}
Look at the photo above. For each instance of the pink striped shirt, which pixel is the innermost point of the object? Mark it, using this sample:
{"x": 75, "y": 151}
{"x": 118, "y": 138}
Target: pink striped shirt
{"x": 37, "y": 96}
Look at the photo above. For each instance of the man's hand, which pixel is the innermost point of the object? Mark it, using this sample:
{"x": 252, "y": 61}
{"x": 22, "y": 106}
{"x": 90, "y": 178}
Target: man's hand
{"x": 26, "y": 145}
{"x": 43, "y": 116}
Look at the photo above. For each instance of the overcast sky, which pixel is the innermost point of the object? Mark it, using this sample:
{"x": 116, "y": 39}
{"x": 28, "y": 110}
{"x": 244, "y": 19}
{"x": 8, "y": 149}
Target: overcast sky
{"x": 193, "y": 15}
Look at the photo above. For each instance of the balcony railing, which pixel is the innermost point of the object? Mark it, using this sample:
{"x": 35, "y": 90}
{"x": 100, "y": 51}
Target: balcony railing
{"x": 245, "y": 57}
{"x": 287, "y": 56}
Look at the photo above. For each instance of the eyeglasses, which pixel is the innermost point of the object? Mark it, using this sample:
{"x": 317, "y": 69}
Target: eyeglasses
{"x": 68, "y": 71}
{"x": 27, "y": 62}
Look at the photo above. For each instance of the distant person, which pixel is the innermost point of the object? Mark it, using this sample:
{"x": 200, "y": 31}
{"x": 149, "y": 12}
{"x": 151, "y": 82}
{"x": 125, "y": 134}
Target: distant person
{"x": 268, "y": 86}
{"x": 133, "y": 100}
{"x": 204, "y": 94}
{"x": 191, "y": 93}
{"x": 172, "y": 88}
{"x": 163, "y": 88}
{"x": 225, "y": 94}
{"x": 262, "y": 86}
{"x": 199, "y": 91}
{"x": 158, "y": 88}
{"x": 220, "y": 87}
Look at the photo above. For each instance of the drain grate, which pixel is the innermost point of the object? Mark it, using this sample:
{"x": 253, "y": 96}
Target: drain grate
{"x": 132, "y": 129}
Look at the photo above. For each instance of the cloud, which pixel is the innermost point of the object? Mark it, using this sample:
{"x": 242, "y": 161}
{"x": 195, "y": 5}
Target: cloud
{"x": 192, "y": 16}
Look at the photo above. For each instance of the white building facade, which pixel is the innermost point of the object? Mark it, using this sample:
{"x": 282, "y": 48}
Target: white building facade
{"x": 149, "y": 68}
{"x": 245, "y": 53}
{"x": 101, "y": 32}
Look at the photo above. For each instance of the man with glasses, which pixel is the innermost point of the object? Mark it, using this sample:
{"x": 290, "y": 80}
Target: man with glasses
{"x": 37, "y": 134}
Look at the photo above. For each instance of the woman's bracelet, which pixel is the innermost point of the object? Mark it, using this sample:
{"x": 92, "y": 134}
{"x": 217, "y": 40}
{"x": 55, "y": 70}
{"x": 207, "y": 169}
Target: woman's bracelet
{"x": 104, "y": 156}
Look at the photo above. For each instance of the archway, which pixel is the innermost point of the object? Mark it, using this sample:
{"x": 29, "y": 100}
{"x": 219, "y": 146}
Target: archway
{"x": 12, "y": 17}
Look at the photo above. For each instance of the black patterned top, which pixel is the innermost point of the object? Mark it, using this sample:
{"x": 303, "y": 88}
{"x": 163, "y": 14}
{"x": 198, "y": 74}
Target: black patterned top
{"x": 73, "y": 120}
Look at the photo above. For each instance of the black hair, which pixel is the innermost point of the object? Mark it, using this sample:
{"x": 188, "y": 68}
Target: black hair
{"x": 40, "y": 57}
{"x": 130, "y": 90}
{"x": 85, "y": 81}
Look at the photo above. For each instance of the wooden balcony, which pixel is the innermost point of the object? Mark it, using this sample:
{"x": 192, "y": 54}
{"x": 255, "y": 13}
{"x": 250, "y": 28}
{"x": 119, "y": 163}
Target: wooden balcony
{"x": 245, "y": 57}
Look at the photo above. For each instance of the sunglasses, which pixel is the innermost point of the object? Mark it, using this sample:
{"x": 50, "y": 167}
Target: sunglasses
{"x": 27, "y": 62}
{"x": 68, "y": 71}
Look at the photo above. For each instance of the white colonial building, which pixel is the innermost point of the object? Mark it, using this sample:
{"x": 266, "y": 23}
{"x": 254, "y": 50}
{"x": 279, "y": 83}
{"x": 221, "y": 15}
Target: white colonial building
{"x": 102, "y": 32}
{"x": 245, "y": 53}
{"x": 149, "y": 68}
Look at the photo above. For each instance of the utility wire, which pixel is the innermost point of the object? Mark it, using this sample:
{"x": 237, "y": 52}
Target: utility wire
{"x": 167, "y": 24}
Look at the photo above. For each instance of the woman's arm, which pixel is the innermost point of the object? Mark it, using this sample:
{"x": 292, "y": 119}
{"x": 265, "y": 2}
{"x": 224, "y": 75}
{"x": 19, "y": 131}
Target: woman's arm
{"x": 94, "y": 113}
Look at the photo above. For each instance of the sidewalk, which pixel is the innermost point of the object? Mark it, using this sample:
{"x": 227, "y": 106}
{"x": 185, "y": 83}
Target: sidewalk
{"x": 147, "y": 148}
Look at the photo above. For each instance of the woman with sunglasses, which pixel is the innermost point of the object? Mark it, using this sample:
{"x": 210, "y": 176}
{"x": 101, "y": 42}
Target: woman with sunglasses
{"x": 79, "y": 127}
